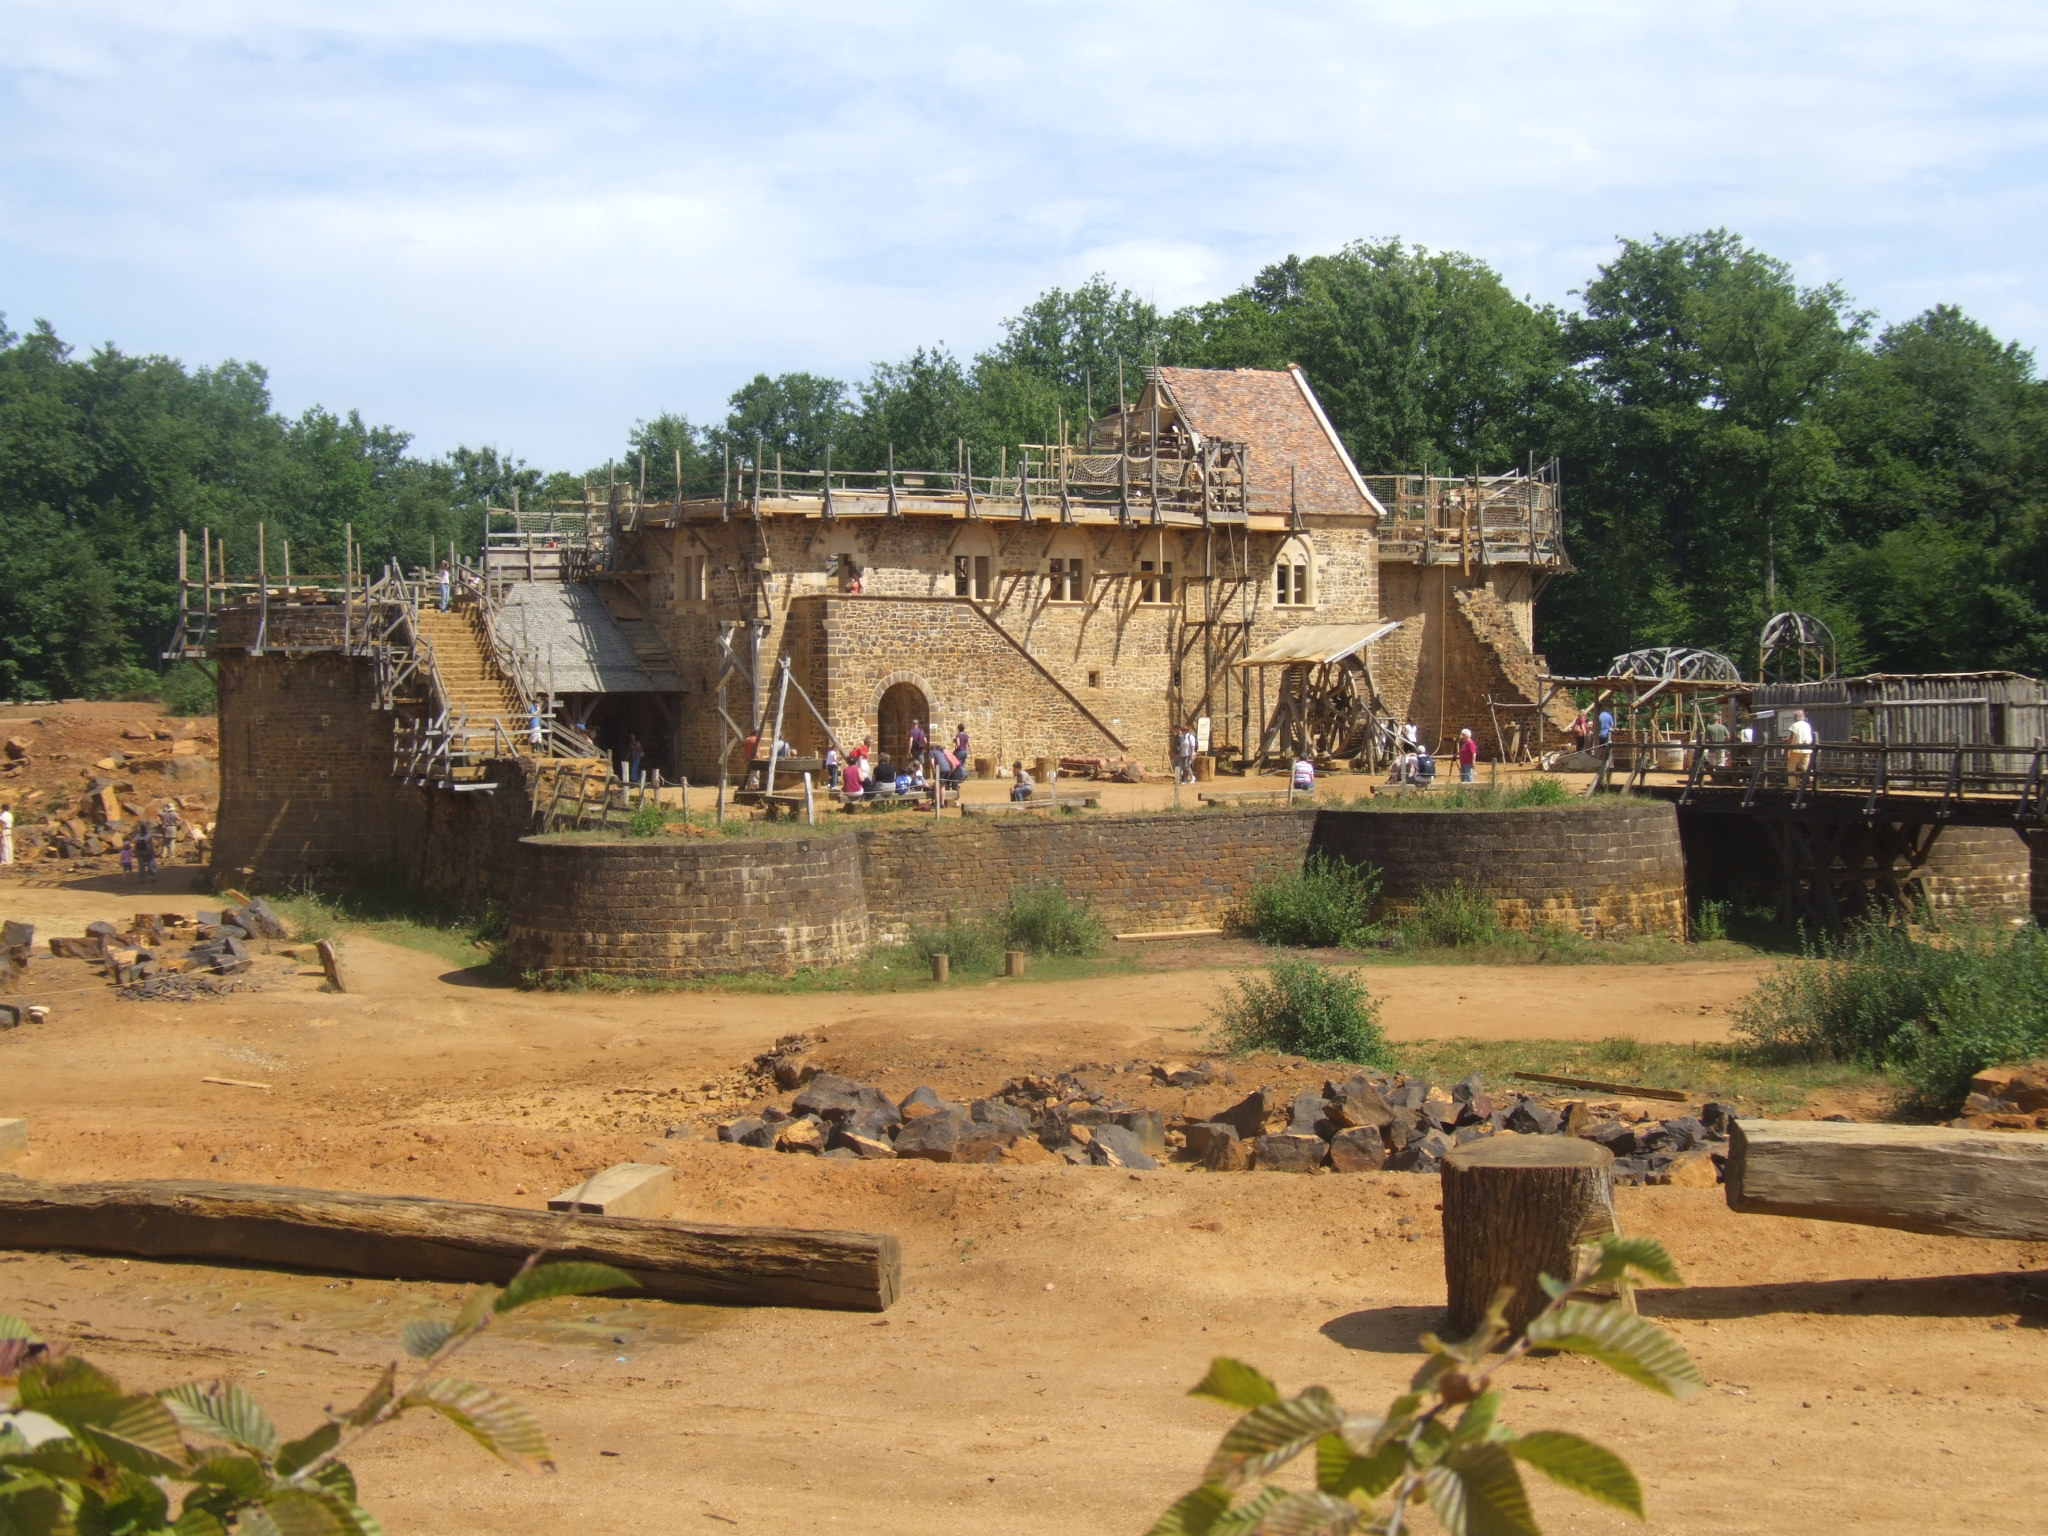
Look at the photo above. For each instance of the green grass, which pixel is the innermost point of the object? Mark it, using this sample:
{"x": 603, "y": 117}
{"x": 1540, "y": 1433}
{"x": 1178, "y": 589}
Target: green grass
{"x": 1326, "y": 904}
{"x": 895, "y": 969}
{"x": 395, "y": 914}
{"x": 1517, "y": 793}
{"x": 1705, "y": 1071}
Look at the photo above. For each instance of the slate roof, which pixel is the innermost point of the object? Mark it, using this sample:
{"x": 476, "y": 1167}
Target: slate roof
{"x": 564, "y": 626}
{"x": 1276, "y": 413}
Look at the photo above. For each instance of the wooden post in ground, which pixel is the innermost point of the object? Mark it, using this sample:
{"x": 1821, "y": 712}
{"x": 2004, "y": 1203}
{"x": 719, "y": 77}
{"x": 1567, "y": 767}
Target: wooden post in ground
{"x": 1013, "y": 962}
{"x": 331, "y": 964}
{"x": 942, "y": 967}
{"x": 810, "y": 804}
{"x": 1516, "y": 1207}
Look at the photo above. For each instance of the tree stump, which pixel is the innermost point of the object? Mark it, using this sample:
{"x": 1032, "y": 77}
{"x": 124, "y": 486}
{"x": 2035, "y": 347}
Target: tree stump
{"x": 1516, "y": 1207}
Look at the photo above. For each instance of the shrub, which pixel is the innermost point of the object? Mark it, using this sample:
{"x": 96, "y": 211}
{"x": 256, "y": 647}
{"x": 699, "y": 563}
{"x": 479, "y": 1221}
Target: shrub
{"x": 1936, "y": 1008}
{"x": 1045, "y": 920}
{"x": 646, "y": 821}
{"x": 971, "y": 943}
{"x": 1544, "y": 789}
{"x": 1325, "y": 904}
{"x": 1452, "y": 916}
{"x": 1303, "y": 1009}
{"x": 1710, "y": 922}
{"x": 188, "y": 689}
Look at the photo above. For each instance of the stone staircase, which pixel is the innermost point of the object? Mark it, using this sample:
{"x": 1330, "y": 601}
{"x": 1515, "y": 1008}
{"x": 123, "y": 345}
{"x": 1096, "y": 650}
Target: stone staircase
{"x": 1517, "y": 669}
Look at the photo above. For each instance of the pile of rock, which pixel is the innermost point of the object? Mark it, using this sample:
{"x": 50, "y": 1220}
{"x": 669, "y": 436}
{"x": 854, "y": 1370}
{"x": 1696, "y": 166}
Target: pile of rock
{"x": 1375, "y": 1120}
{"x": 214, "y": 942}
{"x": 2007, "y": 1099}
{"x": 1367, "y": 1122}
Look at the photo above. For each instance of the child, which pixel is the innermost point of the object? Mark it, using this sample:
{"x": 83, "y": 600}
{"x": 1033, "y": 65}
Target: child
{"x": 127, "y": 857}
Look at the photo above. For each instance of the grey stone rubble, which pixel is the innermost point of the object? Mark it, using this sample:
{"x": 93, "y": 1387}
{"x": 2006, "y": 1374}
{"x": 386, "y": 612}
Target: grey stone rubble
{"x": 1369, "y": 1121}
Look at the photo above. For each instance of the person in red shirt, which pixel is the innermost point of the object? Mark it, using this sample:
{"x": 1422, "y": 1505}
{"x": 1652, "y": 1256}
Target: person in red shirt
{"x": 1468, "y": 756}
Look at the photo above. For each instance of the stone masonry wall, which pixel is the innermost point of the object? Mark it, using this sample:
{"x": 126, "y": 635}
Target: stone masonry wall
{"x": 666, "y": 907}
{"x": 1605, "y": 870}
{"x": 305, "y": 770}
{"x": 1142, "y": 873}
{"x": 1986, "y": 871}
{"x": 670, "y": 908}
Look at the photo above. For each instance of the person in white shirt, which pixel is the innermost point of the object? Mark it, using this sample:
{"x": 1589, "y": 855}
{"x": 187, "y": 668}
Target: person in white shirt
{"x": 1800, "y": 734}
{"x": 6, "y": 837}
{"x": 1304, "y": 773}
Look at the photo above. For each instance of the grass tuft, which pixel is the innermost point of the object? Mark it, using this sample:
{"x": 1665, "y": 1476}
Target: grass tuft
{"x": 1326, "y": 904}
{"x": 1301, "y": 1008}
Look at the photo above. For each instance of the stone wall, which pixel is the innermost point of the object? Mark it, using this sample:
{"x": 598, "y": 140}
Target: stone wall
{"x": 668, "y": 907}
{"x": 672, "y": 907}
{"x": 1603, "y": 870}
{"x": 1143, "y": 873}
{"x": 1985, "y": 871}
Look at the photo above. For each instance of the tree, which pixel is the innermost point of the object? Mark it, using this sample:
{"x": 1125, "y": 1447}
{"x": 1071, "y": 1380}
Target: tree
{"x": 1077, "y": 341}
{"x": 793, "y": 414}
{"x": 1702, "y": 465}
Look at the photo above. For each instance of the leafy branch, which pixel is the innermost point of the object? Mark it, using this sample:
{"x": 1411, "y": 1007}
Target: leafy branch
{"x": 80, "y": 1456}
{"x": 1440, "y": 1443}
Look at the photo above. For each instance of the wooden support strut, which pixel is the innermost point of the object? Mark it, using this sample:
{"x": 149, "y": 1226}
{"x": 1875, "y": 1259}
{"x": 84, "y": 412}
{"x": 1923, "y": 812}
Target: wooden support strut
{"x": 415, "y": 1238}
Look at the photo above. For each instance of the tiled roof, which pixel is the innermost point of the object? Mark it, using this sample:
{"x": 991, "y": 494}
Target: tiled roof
{"x": 572, "y": 642}
{"x": 1275, "y": 413}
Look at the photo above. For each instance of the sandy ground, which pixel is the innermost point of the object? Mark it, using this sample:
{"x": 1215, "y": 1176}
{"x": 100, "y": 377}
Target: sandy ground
{"x": 1033, "y": 1376}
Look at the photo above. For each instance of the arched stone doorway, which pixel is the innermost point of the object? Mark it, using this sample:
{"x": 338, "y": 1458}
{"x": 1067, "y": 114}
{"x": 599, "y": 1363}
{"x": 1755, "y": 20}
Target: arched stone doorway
{"x": 901, "y": 704}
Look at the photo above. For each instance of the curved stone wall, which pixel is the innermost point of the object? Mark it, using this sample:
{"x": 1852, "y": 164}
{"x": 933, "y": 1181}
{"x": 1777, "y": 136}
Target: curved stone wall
{"x": 670, "y": 908}
{"x": 1984, "y": 871}
{"x": 1607, "y": 869}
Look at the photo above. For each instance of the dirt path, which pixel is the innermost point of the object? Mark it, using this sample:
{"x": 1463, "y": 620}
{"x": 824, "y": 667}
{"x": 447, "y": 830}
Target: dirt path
{"x": 1033, "y": 1378}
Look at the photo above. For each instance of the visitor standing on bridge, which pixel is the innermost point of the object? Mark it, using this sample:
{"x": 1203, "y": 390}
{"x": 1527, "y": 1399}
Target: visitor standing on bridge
{"x": 1580, "y": 730}
{"x": 1717, "y": 738}
{"x": 446, "y": 581}
{"x": 1468, "y": 756}
{"x": 1606, "y": 726}
{"x": 1800, "y": 734}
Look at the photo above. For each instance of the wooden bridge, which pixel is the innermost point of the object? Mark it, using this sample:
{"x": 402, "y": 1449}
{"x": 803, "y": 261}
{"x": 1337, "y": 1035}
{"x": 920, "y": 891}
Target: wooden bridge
{"x": 1850, "y": 822}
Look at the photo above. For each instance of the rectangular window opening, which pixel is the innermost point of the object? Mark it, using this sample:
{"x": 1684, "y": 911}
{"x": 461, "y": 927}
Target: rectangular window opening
{"x": 981, "y": 581}
{"x": 961, "y": 580}
{"x": 1094, "y": 679}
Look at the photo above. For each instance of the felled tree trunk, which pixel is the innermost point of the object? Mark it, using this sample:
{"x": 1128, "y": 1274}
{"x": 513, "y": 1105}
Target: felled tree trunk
{"x": 1516, "y": 1207}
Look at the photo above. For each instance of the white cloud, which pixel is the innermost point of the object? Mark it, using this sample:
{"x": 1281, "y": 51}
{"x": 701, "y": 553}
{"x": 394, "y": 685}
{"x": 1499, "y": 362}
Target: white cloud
{"x": 534, "y": 223}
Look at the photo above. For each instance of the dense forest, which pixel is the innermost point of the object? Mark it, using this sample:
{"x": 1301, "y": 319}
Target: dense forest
{"x": 1733, "y": 443}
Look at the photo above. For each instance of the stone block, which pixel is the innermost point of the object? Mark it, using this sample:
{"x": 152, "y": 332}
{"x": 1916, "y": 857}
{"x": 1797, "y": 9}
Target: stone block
{"x": 1112, "y": 1146}
{"x": 13, "y": 1139}
{"x": 933, "y": 1137}
{"x": 624, "y": 1189}
{"x": 1357, "y": 1150}
{"x": 1289, "y": 1152}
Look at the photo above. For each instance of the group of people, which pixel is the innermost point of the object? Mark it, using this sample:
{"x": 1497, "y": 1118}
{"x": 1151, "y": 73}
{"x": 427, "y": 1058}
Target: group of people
{"x": 1415, "y": 764}
{"x": 146, "y": 847}
{"x": 863, "y": 774}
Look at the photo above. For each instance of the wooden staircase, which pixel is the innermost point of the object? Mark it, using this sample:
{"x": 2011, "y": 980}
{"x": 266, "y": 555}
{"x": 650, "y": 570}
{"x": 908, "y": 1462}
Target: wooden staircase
{"x": 472, "y": 686}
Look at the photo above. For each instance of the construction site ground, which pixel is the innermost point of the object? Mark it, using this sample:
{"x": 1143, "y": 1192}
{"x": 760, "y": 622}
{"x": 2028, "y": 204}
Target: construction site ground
{"x": 1033, "y": 1376}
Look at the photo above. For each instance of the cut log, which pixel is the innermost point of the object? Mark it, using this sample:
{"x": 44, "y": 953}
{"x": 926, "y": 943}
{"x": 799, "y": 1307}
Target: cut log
{"x": 624, "y": 1189}
{"x": 1918, "y": 1178}
{"x": 413, "y": 1238}
{"x": 1595, "y": 1085}
{"x": 1517, "y": 1207}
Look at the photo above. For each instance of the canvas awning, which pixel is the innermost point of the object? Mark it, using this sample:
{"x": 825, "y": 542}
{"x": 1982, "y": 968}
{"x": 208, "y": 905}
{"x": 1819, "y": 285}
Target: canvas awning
{"x": 1319, "y": 644}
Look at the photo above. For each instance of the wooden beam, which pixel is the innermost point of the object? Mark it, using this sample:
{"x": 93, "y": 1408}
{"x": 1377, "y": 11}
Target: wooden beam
{"x": 414, "y": 1238}
{"x": 1918, "y": 1178}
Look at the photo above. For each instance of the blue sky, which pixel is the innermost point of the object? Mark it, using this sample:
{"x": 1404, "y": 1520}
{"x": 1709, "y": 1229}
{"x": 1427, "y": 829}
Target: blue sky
{"x": 530, "y": 225}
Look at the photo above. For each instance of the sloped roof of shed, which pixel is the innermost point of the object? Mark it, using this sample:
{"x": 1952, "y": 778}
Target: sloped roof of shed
{"x": 573, "y": 640}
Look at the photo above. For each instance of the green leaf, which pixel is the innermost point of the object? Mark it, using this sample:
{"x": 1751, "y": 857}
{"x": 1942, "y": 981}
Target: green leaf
{"x": 1476, "y": 1422}
{"x": 1271, "y": 1436}
{"x": 32, "y": 1509}
{"x": 49, "y": 1385}
{"x": 296, "y": 1512}
{"x": 1249, "y": 1516}
{"x": 194, "y": 1520}
{"x": 137, "y": 1432}
{"x": 375, "y": 1401}
{"x": 1645, "y": 1256}
{"x": 1581, "y": 1466}
{"x": 1309, "y": 1514}
{"x": 1233, "y": 1382}
{"x": 497, "y": 1423}
{"x": 15, "y": 1328}
{"x": 544, "y": 1282}
{"x": 1365, "y": 1475}
{"x": 55, "y": 1458}
{"x": 1361, "y": 1432}
{"x": 242, "y": 1476}
{"x": 1192, "y": 1514}
{"x": 1623, "y": 1342}
{"x": 226, "y": 1411}
{"x": 307, "y": 1449}
{"x": 1476, "y": 1491}
{"x": 476, "y": 1306}
{"x": 336, "y": 1479}
{"x": 425, "y": 1336}
{"x": 256, "y": 1522}
{"x": 135, "y": 1503}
